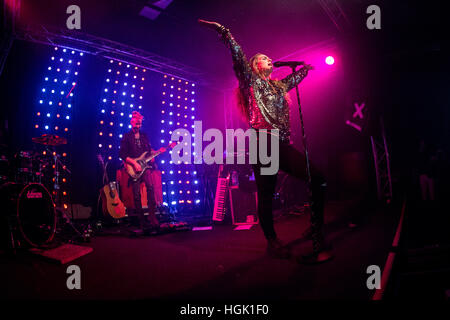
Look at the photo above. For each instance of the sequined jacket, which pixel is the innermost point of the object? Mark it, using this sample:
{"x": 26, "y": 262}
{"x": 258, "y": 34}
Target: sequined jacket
{"x": 266, "y": 103}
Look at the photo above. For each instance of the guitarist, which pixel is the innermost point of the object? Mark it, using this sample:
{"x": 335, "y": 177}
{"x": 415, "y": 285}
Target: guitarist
{"x": 133, "y": 144}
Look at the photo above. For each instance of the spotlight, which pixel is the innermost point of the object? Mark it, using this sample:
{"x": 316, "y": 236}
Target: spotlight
{"x": 329, "y": 60}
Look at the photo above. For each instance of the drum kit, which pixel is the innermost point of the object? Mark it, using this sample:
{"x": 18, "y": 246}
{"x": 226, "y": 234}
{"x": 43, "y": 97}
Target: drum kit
{"x": 25, "y": 178}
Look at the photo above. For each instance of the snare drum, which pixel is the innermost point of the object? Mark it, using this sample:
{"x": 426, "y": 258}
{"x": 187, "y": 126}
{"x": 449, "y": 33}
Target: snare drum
{"x": 23, "y": 167}
{"x": 24, "y": 161}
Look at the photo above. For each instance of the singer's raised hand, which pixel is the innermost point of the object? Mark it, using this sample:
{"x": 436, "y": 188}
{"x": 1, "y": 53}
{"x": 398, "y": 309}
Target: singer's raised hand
{"x": 211, "y": 24}
{"x": 308, "y": 66}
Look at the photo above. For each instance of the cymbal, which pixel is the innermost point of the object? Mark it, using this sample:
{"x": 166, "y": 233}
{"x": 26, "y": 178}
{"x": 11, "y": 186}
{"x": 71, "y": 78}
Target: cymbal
{"x": 50, "y": 140}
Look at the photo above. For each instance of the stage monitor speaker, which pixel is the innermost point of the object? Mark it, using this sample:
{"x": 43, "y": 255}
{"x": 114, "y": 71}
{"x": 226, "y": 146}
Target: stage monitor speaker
{"x": 244, "y": 206}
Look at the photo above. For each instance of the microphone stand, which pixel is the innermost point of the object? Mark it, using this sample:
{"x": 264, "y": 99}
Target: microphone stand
{"x": 319, "y": 254}
{"x": 59, "y": 201}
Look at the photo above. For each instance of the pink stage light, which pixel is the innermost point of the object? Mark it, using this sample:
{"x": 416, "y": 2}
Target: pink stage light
{"x": 329, "y": 60}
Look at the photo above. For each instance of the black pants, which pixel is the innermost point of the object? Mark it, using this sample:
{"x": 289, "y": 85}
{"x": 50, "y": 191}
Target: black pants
{"x": 293, "y": 162}
{"x": 146, "y": 178}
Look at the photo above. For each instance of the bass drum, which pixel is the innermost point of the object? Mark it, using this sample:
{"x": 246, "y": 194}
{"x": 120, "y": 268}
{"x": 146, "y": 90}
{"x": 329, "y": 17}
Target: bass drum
{"x": 30, "y": 211}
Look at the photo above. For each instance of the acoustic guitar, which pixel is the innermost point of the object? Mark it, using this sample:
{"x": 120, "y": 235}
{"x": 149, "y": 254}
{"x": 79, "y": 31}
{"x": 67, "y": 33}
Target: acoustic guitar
{"x": 145, "y": 162}
{"x": 110, "y": 197}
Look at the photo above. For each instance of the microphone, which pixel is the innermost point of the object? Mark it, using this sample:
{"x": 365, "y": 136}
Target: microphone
{"x": 292, "y": 64}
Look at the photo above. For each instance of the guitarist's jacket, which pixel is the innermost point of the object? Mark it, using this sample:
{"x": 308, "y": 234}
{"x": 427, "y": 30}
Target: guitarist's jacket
{"x": 133, "y": 148}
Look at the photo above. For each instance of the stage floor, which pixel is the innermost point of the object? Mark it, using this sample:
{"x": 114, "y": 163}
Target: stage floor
{"x": 214, "y": 265}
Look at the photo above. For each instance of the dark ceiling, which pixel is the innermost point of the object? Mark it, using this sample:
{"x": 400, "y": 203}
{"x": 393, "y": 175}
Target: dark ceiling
{"x": 274, "y": 27}
{"x": 277, "y": 28}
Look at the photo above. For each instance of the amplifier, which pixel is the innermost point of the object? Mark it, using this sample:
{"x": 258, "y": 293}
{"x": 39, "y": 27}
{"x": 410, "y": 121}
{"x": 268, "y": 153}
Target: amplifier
{"x": 244, "y": 206}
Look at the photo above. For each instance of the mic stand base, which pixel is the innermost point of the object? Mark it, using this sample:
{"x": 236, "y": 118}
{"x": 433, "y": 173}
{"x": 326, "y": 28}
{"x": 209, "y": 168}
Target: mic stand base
{"x": 316, "y": 257}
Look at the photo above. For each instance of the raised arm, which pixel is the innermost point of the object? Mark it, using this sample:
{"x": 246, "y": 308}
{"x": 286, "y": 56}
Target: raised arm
{"x": 240, "y": 63}
{"x": 295, "y": 78}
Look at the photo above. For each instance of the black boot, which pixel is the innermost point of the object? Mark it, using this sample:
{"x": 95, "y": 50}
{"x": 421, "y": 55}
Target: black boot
{"x": 276, "y": 249}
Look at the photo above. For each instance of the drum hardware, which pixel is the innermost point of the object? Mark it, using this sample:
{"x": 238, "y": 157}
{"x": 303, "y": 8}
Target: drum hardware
{"x": 53, "y": 141}
{"x": 29, "y": 217}
{"x": 72, "y": 234}
{"x": 77, "y": 235}
{"x": 57, "y": 163}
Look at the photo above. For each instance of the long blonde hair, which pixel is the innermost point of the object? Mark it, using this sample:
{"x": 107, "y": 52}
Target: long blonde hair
{"x": 242, "y": 101}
